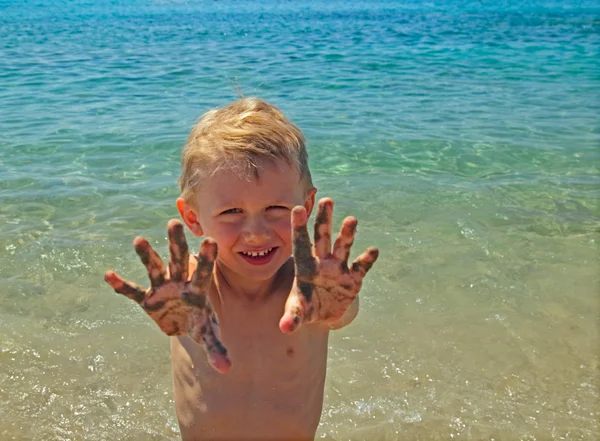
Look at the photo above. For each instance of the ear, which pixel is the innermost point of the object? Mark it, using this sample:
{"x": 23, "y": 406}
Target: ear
{"x": 190, "y": 217}
{"x": 309, "y": 201}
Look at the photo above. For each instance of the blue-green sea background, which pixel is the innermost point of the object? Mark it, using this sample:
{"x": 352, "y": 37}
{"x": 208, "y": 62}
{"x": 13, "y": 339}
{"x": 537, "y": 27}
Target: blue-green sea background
{"x": 464, "y": 135}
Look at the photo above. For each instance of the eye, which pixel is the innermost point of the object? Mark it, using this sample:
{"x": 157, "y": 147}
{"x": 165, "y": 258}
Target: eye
{"x": 232, "y": 211}
{"x": 276, "y": 207}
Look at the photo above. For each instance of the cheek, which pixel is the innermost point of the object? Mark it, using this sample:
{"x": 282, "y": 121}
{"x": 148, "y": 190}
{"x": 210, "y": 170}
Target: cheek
{"x": 283, "y": 227}
{"x": 224, "y": 233}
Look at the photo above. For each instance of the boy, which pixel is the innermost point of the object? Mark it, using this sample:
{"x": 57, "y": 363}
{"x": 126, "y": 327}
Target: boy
{"x": 257, "y": 373}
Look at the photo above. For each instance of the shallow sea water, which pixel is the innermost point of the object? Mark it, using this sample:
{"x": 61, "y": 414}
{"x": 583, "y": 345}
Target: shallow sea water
{"x": 463, "y": 135}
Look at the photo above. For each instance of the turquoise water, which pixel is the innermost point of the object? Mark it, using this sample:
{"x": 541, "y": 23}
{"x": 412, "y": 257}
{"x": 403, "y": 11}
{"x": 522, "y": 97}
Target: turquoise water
{"x": 464, "y": 136}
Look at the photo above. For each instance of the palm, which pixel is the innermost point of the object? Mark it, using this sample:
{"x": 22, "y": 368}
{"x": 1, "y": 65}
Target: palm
{"x": 325, "y": 285}
{"x": 177, "y": 305}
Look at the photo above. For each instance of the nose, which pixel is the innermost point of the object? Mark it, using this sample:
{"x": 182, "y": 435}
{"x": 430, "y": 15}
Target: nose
{"x": 255, "y": 230}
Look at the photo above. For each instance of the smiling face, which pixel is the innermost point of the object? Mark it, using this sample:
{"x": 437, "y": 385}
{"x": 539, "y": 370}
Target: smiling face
{"x": 249, "y": 217}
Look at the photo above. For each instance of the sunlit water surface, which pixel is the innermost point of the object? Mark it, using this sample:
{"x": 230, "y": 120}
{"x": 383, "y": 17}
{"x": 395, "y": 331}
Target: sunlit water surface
{"x": 463, "y": 135}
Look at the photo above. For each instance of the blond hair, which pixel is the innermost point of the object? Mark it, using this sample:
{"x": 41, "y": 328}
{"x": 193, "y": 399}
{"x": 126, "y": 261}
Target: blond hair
{"x": 237, "y": 137}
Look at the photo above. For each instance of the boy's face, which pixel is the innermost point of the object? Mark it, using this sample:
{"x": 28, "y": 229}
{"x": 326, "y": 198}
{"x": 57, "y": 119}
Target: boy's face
{"x": 249, "y": 218}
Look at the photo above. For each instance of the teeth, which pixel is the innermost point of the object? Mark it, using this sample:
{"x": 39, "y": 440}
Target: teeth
{"x": 257, "y": 253}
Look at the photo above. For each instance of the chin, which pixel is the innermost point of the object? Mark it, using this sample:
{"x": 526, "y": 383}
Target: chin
{"x": 261, "y": 273}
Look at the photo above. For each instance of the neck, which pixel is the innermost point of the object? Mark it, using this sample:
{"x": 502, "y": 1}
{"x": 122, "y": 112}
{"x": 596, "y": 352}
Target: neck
{"x": 250, "y": 291}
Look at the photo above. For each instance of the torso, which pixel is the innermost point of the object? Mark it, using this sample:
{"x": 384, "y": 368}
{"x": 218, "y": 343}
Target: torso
{"x": 274, "y": 389}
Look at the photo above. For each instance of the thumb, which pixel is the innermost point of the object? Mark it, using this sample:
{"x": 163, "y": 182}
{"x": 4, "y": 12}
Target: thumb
{"x": 294, "y": 312}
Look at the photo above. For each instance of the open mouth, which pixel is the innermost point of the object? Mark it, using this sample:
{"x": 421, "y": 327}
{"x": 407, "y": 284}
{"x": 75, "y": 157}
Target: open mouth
{"x": 258, "y": 257}
{"x": 257, "y": 253}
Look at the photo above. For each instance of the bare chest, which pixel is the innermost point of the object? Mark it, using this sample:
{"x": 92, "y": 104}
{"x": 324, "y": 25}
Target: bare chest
{"x": 264, "y": 356}
{"x": 274, "y": 378}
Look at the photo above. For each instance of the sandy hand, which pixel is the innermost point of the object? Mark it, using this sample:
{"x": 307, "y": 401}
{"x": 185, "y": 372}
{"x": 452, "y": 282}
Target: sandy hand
{"x": 325, "y": 286}
{"x": 178, "y": 306}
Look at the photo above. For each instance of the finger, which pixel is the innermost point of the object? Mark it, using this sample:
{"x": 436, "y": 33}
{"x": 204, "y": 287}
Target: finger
{"x": 303, "y": 258}
{"x": 323, "y": 228}
{"x": 203, "y": 274}
{"x": 363, "y": 263}
{"x": 293, "y": 314}
{"x": 178, "y": 265}
{"x": 204, "y": 330}
{"x": 129, "y": 289}
{"x": 152, "y": 261}
{"x": 343, "y": 243}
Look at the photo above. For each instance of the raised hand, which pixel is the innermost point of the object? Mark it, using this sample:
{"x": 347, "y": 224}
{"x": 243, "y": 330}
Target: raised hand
{"x": 325, "y": 285}
{"x": 178, "y": 306}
